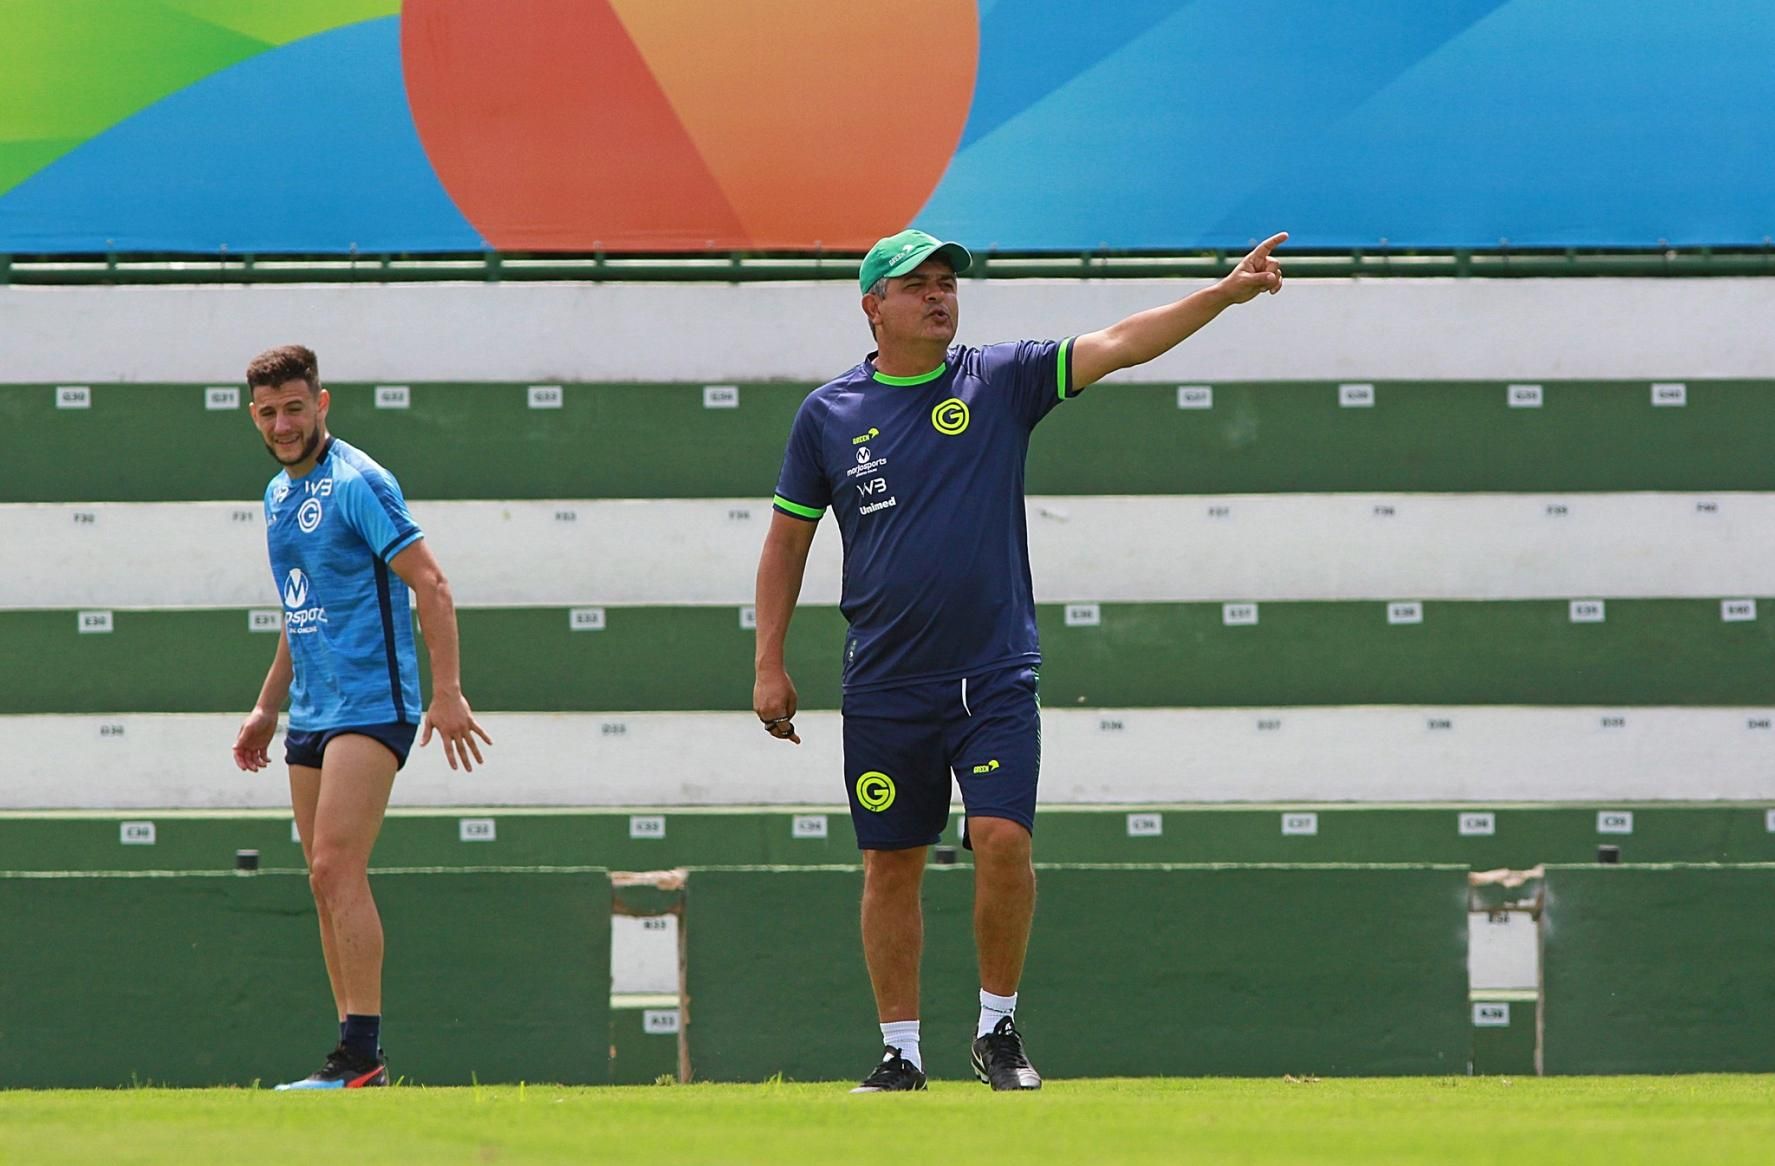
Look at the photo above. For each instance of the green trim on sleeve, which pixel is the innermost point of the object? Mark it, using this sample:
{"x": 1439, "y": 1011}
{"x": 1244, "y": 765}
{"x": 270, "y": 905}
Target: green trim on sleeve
{"x": 1063, "y": 366}
{"x": 920, "y": 379}
{"x": 796, "y": 508}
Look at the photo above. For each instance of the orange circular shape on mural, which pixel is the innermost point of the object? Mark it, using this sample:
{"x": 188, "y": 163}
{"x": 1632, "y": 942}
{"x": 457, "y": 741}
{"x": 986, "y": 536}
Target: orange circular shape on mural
{"x": 569, "y": 125}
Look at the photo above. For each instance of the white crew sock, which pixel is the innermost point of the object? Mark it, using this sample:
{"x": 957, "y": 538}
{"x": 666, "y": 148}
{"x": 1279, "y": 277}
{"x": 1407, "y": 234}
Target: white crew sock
{"x": 903, "y": 1035}
{"x": 994, "y": 1009}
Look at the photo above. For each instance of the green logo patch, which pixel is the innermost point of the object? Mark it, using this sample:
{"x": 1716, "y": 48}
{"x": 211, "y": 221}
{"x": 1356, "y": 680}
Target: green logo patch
{"x": 875, "y": 791}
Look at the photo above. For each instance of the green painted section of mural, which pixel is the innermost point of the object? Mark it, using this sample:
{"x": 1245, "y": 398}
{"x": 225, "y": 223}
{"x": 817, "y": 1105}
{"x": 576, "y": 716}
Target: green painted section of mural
{"x": 71, "y": 69}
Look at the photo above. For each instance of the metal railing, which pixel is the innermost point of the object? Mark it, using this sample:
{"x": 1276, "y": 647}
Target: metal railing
{"x": 494, "y": 267}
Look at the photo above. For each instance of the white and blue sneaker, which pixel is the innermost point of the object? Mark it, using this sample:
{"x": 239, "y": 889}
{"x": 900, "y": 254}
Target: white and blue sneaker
{"x": 344, "y": 1070}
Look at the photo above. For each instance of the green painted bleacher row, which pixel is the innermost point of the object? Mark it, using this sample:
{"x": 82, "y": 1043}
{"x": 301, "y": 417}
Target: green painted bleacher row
{"x": 1668, "y": 652}
{"x": 464, "y": 441}
{"x": 1480, "y": 837}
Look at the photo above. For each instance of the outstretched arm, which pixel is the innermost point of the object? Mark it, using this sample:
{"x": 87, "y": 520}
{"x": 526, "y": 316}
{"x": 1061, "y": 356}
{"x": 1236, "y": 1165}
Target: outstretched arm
{"x": 1156, "y": 331}
{"x": 780, "y": 568}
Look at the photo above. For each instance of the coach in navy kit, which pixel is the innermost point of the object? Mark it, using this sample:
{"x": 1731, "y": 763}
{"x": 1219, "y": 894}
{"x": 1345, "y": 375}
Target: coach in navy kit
{"x": 344, "y": 553}
{"x": 919, "y": 451}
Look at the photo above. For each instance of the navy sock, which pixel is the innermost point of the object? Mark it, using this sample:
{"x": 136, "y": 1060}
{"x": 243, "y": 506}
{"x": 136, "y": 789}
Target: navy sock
{"x": 341, "y": 1032}
{"x": 362, "y": 1035}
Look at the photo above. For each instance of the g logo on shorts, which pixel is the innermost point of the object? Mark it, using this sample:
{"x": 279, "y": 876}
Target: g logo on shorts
{"x": 950, "y": 417}
{"x": 875, "y": 791}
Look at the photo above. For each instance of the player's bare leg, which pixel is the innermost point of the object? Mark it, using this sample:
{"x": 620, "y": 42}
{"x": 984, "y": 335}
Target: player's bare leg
{"x": 1004, "y": 908}
{"x": 339, "y": 810}
{"x": 304, "y": 794}
{"x": 356, "y": 779}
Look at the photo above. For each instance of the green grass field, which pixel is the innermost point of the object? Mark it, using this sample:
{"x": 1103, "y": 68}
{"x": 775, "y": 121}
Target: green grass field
{"x": 1446, "y": 1121}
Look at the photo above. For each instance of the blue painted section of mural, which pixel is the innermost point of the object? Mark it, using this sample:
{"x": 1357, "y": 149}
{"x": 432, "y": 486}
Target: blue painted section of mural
{"x": 1431, "y": 123}
{"x": 308, "y": 147}
{"x": 1142, "y": 124}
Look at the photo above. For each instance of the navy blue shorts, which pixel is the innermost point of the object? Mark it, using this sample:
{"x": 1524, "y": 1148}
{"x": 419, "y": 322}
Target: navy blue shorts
{"x": 902, "y": 744}
{"x": 306, "y": 748}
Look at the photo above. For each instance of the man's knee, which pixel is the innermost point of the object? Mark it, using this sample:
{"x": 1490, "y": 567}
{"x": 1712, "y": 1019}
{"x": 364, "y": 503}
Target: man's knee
{"x": 332, "y": 874}
{"x": 889, "y": 872}
{"x": 999, "y": 840}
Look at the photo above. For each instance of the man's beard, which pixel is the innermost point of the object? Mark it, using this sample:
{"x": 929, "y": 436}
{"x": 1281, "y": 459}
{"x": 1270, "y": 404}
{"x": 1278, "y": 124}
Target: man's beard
{"x": 308, "y": 447}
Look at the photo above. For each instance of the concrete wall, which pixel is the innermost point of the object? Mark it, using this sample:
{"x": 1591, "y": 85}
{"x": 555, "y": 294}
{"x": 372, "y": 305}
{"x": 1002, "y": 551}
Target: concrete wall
{"x": 1430, "y": 329}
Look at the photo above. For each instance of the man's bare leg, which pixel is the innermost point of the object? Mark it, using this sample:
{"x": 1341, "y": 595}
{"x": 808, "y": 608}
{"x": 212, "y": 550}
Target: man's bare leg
{"x": 357, "y": 775}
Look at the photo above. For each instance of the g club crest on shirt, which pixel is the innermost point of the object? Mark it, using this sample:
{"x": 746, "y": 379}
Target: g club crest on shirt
{"x": 309, "y": 514}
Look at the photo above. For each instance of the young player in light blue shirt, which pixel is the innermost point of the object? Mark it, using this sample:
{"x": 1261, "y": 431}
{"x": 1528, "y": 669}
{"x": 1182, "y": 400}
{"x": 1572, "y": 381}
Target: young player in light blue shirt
{"x": 344, "y": 554}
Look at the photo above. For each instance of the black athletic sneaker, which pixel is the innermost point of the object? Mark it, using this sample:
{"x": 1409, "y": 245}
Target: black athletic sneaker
{"x": 344, "y": 1070}
{"x": 894, "y": 1074}
{"x": 999, "y": 1060}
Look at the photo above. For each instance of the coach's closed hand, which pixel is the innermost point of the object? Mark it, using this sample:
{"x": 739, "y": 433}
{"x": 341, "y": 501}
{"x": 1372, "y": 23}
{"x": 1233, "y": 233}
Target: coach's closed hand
{"x": 774, "y": 700}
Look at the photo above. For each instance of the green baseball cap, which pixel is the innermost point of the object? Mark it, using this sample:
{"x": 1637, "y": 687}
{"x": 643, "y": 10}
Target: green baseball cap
{"x": 898, "y": 254}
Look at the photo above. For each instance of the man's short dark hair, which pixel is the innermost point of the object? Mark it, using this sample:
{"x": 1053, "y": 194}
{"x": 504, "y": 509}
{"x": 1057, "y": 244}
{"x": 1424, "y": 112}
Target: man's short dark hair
{"x": 279, "y": 366}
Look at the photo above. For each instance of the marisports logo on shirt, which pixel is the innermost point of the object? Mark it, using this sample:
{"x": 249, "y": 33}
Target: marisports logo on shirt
{"x": 950, "y": 417}
{"x": 300, "y": 618}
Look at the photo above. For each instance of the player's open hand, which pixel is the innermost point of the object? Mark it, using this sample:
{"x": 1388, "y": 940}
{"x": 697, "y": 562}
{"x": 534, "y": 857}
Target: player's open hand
{"x": 774, "y": 700}
{"x": 1257, "y": 272}
{"x": 252, "y": 745}
{"x": 451, "y": 719}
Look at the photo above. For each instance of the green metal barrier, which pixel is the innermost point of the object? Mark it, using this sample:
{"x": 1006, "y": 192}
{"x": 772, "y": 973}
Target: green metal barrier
{"x": 1132, "y": 971}
{"x": 1658, "y": 969}
{"x": 191, "y": 979}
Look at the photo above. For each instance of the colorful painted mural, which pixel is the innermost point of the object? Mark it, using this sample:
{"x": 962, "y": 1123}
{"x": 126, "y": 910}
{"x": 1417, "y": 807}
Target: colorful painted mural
{"x": 1036, "y": 125}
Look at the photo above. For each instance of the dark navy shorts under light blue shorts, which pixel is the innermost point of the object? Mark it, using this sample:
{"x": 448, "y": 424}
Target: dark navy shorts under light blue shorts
{"x": 902, "y": 744}
{"x": 306, "y": 748}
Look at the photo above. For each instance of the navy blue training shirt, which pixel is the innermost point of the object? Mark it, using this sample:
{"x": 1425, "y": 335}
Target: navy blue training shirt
{"x": 331, "y": 534}
{"x": 925, "y": 477}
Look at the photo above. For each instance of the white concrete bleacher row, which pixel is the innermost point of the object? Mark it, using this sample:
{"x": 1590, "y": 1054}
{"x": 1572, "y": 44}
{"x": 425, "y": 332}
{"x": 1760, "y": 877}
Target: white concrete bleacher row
{"x": 1083, "y": 549}
{"x": 1472, "y": 755}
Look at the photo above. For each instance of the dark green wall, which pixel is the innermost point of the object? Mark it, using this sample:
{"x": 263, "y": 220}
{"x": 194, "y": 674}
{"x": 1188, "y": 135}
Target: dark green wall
{"x": 1649, "y": 652}
{"x": 1658, "y": 969}
{"x": 206, "y": 980}
{"x": 657, "y": 441}
{"x": 1172, "y": 971}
